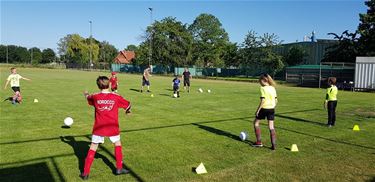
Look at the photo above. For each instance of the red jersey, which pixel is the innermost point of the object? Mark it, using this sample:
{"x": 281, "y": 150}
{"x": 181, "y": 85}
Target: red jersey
{"x": 106, "y": 112}
{"x": 113, "y": 81}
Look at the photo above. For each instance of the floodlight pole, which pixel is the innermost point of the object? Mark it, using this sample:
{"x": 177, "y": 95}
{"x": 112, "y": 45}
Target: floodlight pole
{"x": 90, "y": 44}
{"x": 150, "y": 50}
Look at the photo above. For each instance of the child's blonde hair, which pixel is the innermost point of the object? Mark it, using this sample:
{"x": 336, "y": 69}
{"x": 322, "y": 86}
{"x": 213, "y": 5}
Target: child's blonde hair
{"x": 267, "y": 78}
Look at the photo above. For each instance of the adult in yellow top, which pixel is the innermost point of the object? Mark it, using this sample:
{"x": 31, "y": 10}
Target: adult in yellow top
{"x": 14, "y": 80}
{"x": 331, "y": 101}
{"x": 266, "y": 109}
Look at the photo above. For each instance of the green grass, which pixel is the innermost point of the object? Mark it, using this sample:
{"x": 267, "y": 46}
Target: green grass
{"x": 165, "y": 137}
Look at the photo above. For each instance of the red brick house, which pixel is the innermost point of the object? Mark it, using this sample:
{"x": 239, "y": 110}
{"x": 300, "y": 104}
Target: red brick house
{"x": 124, "y": 57}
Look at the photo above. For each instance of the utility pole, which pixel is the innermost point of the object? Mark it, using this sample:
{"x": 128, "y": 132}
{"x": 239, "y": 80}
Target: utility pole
{"x": 151, "y": 34}
{"x": 90, "y": 44}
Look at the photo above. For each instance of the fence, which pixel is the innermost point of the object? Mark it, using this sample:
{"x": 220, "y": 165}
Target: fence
{"x": 365, "y": 73}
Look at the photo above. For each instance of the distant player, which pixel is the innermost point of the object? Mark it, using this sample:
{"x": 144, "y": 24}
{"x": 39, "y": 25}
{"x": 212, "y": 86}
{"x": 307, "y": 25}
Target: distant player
{"x": 146, "y": 78}
{"x": 176, "y": 86}
{"x": 187, "y": 76}
{"x": 14, "y": 80}
{"x": 266, "y": 109}
{"x": 331, "y": 101}
{"x": 114, "y": 82}
{"x": 106, "y": 124}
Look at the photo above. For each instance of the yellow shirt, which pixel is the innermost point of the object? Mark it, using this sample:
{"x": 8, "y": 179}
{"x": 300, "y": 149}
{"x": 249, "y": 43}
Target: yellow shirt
{"x": 268, "y": 93}
{"x": 331, "y": 93}
{"x": 14, "y": 80}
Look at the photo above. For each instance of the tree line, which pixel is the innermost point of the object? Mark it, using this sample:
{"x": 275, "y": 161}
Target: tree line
{"x": 204, "y": 43}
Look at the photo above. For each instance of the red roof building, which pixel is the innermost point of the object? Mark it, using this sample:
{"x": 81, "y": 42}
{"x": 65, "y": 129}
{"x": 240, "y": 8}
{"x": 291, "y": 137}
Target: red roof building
{"x": 124, "y": 57}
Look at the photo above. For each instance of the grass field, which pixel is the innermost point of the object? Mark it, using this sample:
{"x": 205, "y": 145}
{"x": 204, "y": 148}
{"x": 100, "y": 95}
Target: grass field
{"x": 165, "y": 138}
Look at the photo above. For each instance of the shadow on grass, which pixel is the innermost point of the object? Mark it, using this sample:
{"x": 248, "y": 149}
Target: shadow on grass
{"x": 165, "y": 95}
{"x": 30, "y": 172}
{"x": 222, "y": 133}
{"x": 135, "y": 90}
{"x": 324, "y": 138}
{"x": 65, "y": 127}
{"x": 135, "y": 175}
{"x": 299, "y": 119}
{"x": 80, "y": 150}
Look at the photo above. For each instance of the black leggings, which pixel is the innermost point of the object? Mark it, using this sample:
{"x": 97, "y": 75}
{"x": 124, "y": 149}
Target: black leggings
{"x": 332, "y": 112}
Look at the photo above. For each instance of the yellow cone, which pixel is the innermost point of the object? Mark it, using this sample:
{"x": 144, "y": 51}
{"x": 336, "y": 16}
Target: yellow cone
{"x": 201, "y": 169}
{"x": 356, "y": 128}
{"x": 152, "y": 95}
{"x": 294, "y": 148}
{"x": 36, "y": 100}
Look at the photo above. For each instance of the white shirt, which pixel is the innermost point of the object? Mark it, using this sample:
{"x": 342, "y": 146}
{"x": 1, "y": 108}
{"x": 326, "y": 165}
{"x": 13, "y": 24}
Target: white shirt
{"x": 14, "y": 80}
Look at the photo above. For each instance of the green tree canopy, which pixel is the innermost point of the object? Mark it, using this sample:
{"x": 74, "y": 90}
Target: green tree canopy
{"x": 48, "y": 56}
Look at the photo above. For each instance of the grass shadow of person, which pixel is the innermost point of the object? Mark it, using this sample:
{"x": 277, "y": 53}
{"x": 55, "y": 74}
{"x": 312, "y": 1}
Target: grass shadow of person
{"x": 222, "y": 133}
{"x": 80, "y": 150}
{"x": 135, "y": 90}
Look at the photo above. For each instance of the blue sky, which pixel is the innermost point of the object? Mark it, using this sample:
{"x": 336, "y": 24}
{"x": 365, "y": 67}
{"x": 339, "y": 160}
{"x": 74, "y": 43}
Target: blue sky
{"x": 43, "y": 23}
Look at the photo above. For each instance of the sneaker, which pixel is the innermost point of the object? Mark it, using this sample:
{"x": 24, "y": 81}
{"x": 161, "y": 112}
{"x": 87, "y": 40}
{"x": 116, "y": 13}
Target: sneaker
{"x": 84, "y": 177}
{"x": 257, "y": 144}
{"x": 148, "y": 91}
{"x": 329, "y": 126}
{"x": 122, "y": 171}
{"x": 273, "y": 147}
{"x": 141, "y": 91}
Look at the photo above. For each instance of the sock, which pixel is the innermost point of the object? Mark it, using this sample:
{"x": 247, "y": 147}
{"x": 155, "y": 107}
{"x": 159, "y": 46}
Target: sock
{"x": 118, "y": 155}
{"x": 88, "y": 162}
{"x": 273, "y": 137}
{"x": 257, "y": 134}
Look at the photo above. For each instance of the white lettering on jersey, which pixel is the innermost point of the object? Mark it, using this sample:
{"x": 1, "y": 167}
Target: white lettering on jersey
{"x": 105, "y": 105}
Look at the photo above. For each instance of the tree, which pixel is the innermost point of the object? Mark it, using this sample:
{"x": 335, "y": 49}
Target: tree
{"x": 3, "y": 53}
{"x": 171, "y": 41}
{"x": 35, "y": 55}
{"x": 231, "y": 55}
{"x": 107, "y": 52}
{"x": 210, "y": 40}
{"x": 366, "y": 29}
{"x": 48, "y": 56}
{"x": 295, "y": 55}
{"x": 346, "y": 50}
{"x": 131, "y": 47}
{"x": 77, "y": 49}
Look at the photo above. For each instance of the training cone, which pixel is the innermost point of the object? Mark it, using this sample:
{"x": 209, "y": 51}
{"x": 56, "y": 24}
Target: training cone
{"x": 201, "y": 169}
{"x": 36, "y": 100}
{"x": 152, "y": 95}
{"x": 294, "y": 148}
{"x": 356, "y": 128}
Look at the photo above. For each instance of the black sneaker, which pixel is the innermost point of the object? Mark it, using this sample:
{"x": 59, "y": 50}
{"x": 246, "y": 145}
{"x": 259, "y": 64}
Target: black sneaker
{"x": 148, "y": 91}
{"x": 257, "y": 144}
{"x": 141, "y": 91}
{"x": 122, "y": 171}
{"x": 84, "y": 177}
{"x": 273, "y": 147}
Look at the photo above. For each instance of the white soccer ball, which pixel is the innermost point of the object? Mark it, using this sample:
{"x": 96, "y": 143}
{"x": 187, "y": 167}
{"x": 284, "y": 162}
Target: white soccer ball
{"x": 68, "y": 121}
{"x": 243, "y": 136}
{"x": 209, "y": 91}
{"x": 200, "y": 90}
{"x": 175, "y": 95}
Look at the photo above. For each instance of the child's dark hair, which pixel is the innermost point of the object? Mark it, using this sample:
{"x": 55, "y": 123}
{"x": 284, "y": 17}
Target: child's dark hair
{"x": 267, "y": 78}
{"x": 102, "y": 82}
{"x": 332, "y": 80}
{"x": 11, "y": 69}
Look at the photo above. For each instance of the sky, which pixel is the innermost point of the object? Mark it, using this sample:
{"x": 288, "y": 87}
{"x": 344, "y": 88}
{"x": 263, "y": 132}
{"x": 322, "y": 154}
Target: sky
{"x": 42, "y": 23}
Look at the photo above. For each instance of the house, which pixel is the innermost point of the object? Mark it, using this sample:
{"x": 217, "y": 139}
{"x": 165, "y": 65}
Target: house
{"x": 124, "y": 57}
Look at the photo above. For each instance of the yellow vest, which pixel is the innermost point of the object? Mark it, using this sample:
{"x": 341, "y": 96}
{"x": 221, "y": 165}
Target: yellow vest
{"x": 268, "y": 93}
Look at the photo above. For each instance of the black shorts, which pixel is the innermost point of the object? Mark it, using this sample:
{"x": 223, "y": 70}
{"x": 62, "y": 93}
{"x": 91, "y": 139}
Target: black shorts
{"x": 266, "y": 113}
{"x": 15, "y": 89}
{"x": 145, "y": 82}
{"x": 176, "y": 88}
{"x": 186, "y": 82}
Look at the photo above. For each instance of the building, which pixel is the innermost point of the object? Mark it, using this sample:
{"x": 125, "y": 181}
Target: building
{"x": 315, "y": 50}
{"x": 124, "y": 57}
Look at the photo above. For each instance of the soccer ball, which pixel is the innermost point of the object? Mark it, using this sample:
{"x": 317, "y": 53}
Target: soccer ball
{"x": 200, "y": 90}
{"x": 243, "y": 136}
{"x": 209, "y": 91}
{"x": 68, "y": 121}
{"x": 175, "y": 95}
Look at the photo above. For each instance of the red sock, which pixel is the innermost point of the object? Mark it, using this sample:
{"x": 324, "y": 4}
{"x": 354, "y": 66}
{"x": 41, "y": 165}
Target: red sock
{"x": 118, "y": 155}
{"x": 257, "y": 134}
{"x": 88, "y": 162}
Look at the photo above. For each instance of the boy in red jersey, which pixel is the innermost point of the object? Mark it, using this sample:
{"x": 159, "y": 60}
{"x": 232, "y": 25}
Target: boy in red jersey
{"x": 106, "y": 124}
{"x": 114, "y": 82}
